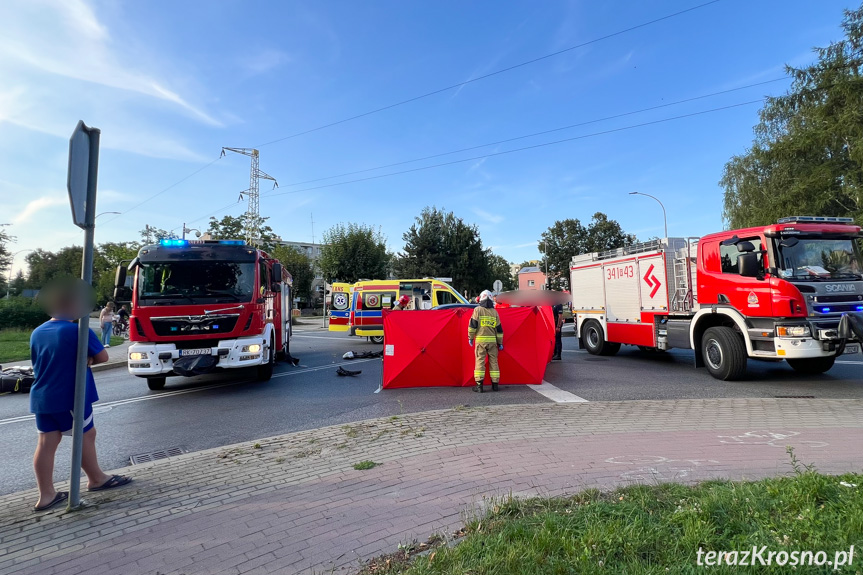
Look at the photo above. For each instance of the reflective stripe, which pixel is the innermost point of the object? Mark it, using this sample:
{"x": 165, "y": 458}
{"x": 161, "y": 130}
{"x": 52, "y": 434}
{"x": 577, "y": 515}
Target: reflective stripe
{"x": 494, "y": 373}
{"x": 478, "y": 373}
{"x": 486, "y": 339}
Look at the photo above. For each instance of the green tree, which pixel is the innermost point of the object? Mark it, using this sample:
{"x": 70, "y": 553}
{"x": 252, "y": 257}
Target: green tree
{"x": 807, "y": 154}
{"x": 18, "y": 284}
{"x": 234, "y": 228}
{"x": 567, "y": 238}
{"x": 439, "y": 244}
{"x": 108, "y": 256}
{"x": 151, "y": 235}
{"x": 354, "y": 251}
{"x": 500, "y": 270}
{"x": 300, "y": 267}
{"x": 5, "y": 258}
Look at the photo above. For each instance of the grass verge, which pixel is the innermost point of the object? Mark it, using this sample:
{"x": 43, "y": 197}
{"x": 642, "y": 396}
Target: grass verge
{"x": 15, "y": 344}
{"x": 654, "y": 529}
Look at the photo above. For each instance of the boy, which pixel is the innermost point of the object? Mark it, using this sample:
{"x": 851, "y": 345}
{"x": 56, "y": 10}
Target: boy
{"x": 53, "y": 351}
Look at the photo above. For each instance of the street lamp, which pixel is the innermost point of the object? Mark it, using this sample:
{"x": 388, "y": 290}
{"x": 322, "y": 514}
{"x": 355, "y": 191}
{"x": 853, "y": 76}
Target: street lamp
{"x": 103, "y": 213}
{"x": 664, "y": 218}
{"x": 11, "y": 261}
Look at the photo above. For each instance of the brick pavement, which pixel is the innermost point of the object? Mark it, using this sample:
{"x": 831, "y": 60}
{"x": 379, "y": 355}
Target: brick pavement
{"x": 296, "y": 505}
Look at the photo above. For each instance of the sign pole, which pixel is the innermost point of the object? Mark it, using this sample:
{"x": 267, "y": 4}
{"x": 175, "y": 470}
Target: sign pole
{"x": 88, "y": 225}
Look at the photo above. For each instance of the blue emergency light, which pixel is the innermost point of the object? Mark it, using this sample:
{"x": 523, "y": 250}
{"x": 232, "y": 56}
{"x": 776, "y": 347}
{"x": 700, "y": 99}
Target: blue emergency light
{"x": 183, "y": 243}
{"x": 173, "y": 243}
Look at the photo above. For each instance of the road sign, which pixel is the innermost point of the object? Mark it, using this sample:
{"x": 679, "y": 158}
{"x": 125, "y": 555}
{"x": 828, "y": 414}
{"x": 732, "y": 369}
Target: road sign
{"x": 83, "y": 144}
{"x": 497, "y": 285}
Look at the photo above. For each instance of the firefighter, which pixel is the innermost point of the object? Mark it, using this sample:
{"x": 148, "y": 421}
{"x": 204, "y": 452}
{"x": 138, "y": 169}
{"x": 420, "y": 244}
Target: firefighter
{"x": 402, "y": 303}
{"x": 485, "y": 328}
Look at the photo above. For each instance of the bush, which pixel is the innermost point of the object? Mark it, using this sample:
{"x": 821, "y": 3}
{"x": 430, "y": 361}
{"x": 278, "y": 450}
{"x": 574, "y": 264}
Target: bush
{"x": 21, "y": 312}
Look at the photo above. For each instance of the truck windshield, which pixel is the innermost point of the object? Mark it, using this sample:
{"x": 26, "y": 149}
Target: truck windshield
{"x": 196, "y": 282}
{"x": 820, "y": 258}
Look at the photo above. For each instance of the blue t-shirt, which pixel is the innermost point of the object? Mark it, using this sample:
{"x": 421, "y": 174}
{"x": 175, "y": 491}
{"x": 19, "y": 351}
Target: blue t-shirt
{"x": 53, "y": 351}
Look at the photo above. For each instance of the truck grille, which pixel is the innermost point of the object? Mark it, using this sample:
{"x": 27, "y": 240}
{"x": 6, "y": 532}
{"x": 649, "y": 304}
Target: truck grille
{"x": 194, "y": 324}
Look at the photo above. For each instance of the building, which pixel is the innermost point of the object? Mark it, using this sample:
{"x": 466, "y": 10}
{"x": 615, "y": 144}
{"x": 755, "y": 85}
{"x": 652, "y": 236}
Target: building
{"x": 531, "y": 278}
{"x": 313, "y": 252}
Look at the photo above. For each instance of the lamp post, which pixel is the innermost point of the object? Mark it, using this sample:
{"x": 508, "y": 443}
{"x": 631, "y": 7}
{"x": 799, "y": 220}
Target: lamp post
{"x": 664, "y": 218}
{"x": 103, "y": 213}
{"x": 12, "y": 261}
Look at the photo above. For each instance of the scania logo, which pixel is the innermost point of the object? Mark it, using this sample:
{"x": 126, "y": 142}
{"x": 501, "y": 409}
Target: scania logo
{"x": 840, "y": 287}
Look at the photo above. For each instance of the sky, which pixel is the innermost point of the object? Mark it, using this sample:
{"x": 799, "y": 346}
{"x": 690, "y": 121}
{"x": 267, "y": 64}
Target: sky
{"x": 170, "y": 83}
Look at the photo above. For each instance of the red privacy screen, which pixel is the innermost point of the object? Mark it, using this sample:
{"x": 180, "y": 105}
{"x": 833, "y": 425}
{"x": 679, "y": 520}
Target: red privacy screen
{"x": 428, "y": 348}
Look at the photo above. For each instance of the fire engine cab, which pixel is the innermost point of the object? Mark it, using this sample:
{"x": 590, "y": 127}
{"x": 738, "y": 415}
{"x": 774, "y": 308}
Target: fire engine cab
{"x": 790, "y": 291}
{"x": 205, "y": 305}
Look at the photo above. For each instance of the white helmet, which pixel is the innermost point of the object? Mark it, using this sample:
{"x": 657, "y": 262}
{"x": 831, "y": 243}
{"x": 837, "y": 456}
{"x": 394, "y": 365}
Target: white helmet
{"x": 485, "y": 295}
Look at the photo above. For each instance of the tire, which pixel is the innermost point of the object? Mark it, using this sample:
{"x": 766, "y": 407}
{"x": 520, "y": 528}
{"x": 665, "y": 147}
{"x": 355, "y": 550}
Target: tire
{"x": 156, "y": 383}
{"x": 724, "y": 353}
{"x": 265, "y": 371}
{"x": 813, "y": 365}
{"x": 378, "y": 339}
{"x": 593, "y": 338}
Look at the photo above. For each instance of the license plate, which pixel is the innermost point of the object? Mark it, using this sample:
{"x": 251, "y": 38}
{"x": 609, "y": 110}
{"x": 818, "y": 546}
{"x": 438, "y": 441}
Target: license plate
{"x": 203, "y": 351}
{"x": 852, "y": 349}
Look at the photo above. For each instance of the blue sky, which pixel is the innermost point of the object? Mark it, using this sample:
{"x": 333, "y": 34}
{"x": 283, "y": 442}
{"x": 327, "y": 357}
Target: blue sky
{"x": 170, "y": 83}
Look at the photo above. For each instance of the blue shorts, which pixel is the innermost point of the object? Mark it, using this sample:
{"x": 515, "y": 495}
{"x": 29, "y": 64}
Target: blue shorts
{"x": 62, "y": 422}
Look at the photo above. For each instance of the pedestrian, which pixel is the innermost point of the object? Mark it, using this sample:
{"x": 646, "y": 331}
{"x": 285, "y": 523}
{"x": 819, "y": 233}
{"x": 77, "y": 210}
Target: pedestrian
{"x": 106, "y": 322}
{"x": 54, "y": 351}
{"x": 558, "y": 326}
{"x": 486, "y": 330}
{"x": 402, "y": 304}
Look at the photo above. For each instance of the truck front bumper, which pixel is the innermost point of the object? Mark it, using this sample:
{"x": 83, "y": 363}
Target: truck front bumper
{"x": 151, "y": 359}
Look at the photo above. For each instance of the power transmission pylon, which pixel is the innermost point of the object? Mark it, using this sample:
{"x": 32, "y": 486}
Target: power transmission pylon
{"x": 253, "y": 222}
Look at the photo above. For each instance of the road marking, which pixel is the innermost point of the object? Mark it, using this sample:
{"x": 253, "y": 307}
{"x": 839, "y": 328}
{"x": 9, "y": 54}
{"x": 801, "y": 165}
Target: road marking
{"x": 851, "y": 362}
{"x": 321, "y": 337}
{"x": 111, "y": 404}
{"x": 556, "y": 394}
{"x": 574, "y": 351}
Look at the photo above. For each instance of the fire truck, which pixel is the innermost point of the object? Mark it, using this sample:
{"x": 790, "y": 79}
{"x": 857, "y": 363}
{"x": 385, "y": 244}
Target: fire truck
{"x": 204, "y": 305}
{"x": 788, "y": 291}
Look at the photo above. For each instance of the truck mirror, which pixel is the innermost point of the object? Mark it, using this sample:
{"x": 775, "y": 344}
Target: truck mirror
{"x": 745, "y": 247}
{"x": 749, "y": 265}
{"x": 277, "y": 272}
{"x": 122, "y": 293}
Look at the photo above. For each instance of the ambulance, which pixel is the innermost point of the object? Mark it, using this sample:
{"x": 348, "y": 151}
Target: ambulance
{"x": 339, "y": 296}
{"x": 368, "y": 299}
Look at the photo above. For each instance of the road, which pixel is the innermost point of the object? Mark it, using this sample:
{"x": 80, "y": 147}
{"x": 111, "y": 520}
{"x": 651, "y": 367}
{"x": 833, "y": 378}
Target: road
{"x": 215, "y": 410}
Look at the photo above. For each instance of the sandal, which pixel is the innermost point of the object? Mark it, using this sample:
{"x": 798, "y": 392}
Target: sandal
{"x": 113, "y": 481}
{"x": 60, "y": 497}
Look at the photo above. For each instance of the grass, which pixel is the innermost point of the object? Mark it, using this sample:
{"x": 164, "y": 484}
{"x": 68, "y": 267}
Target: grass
{"x": 15, "y": 344}
{"x": 655, "y": 529}
{"x": 363, "y": 465}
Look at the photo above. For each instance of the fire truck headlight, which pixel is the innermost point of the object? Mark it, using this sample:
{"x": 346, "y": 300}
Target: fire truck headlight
{"x": 254, "y": 348}
{"x": 137, "y": 356}
{"x": 792, "y": 331}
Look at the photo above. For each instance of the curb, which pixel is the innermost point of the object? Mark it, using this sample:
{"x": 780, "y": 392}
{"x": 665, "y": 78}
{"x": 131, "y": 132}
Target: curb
{"x": 108, "y": 365}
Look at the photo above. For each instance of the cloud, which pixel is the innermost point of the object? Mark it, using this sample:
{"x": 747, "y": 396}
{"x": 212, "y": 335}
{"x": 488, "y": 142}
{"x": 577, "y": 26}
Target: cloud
{"x": 491, "y": 218}
{"x": 36, "y": 206}
{"x": 264, "y": 61}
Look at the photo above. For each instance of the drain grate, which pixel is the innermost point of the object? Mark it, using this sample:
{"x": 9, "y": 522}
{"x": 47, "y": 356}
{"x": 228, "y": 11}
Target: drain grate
{"x": 155, "y": 455}
{"x": 794, "y": 396}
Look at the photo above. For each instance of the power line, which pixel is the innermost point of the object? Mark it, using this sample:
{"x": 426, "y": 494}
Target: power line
{"x": 568, "y": 127}
{"x": 490, "y": 74}
{"x": 555, "y": 142}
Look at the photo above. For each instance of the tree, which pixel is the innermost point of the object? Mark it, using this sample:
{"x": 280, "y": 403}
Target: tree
{"x": 300, "y": 267}
{"x": 5, "y": 257}
{"x": 500, "y": 270}
{"x": 108, "y": 256}
{"x": 354, "y": 251}
{"x": 440, "y": 244}
{"x": 234, "y": 228}
{"x": 17, "y": 285}
{"x": 807, "y": 154}
{"x": 151, "y": 235}
{"x": 569, "y": 237}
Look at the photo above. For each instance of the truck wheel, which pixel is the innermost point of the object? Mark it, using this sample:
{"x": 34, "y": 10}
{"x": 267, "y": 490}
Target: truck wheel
{"x": 813, "y": 365}
{"x": 594, "y": 339}
{"x": 156, "y": 383}
{"x": 724, "y": 353}
{"x": 265, "y": 371}
{"x": 377, "y": 339}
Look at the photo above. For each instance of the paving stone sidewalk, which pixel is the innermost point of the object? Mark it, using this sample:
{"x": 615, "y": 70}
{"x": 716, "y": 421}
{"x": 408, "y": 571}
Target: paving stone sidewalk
{"x": 294, "y": 503}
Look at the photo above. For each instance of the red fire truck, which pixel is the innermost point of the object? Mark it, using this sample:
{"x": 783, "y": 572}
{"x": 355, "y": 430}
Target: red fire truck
{"x": 205, "y": 305}
{"x": 788, "y": 291}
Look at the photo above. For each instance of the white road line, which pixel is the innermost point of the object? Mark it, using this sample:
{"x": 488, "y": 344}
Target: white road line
{"x": 574, "y": 351}
{"x": 850, "y": 362}
{"x": 345, "y": 339}
{"x": 556, "y": 394}
{"x": 112, "y": 404}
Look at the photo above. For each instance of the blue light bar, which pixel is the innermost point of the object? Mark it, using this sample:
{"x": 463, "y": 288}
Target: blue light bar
{"x": 825, "y": 309}
{"x": 232, "y": 242}
{"x": 814, "y": 220}
{"x": 173, "y": 243}
{"x": 860, "y": 308}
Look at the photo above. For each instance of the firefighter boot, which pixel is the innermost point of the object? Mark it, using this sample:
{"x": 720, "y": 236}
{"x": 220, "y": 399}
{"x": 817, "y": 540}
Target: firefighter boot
{"x": 494, "y": 386}
{"x": 478, "y": 387}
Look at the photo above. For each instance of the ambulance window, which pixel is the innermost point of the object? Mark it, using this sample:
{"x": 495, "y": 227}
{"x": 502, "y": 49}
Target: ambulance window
{"x": 444, "y": 297}
{"x": 728, "y": 255}
{"x": 372, "y": 300}
{"x": 340, "y": 301}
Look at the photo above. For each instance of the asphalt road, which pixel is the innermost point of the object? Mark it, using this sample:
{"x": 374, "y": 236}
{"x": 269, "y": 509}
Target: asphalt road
{"x": 211, "y": 411}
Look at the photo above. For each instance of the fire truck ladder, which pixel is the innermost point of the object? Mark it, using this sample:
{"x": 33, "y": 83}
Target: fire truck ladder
{"x": 683, "y": 299}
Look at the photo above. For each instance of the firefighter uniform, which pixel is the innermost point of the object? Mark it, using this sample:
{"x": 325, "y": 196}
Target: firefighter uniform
{"x": 485, "y": 332}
